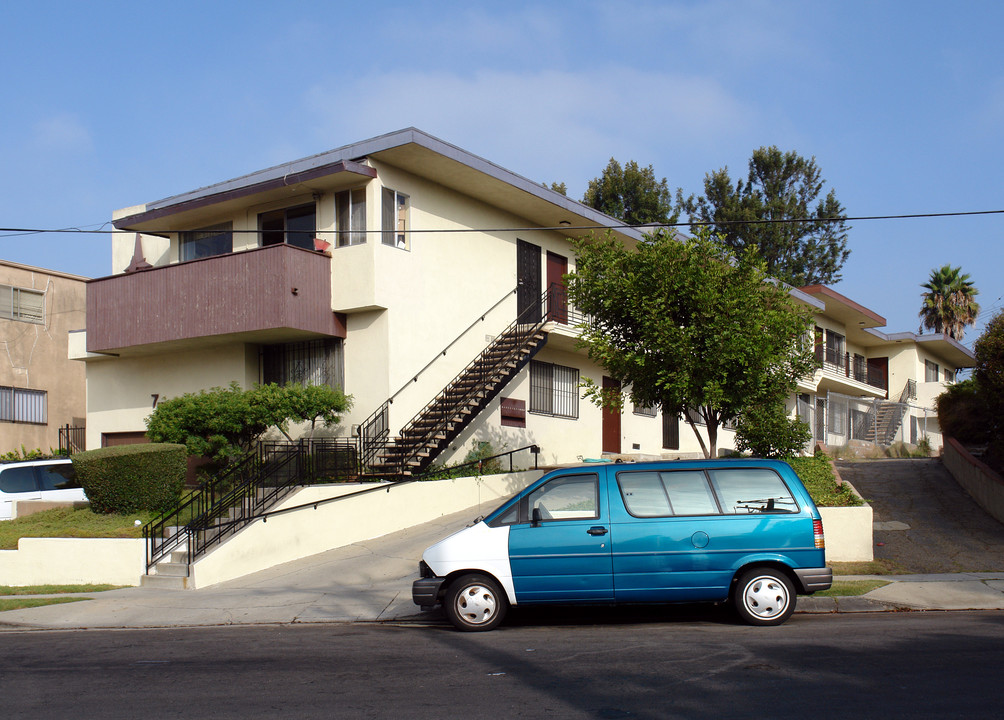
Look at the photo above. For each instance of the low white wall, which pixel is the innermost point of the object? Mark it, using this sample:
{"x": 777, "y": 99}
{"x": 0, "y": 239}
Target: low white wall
{"x": 848, "y": 533}
{"x": 73, "y": 561}
{"x": 296, "y": 535}
{"x": 976, "y": 477}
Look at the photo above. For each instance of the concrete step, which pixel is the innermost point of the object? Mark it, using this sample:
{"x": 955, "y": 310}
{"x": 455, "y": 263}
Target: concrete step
{"x": 172, "y": 569}
{"x": 164, "y": 581}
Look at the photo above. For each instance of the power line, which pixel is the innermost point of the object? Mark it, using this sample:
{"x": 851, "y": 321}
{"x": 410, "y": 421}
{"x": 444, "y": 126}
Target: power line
{"x": 18, "y": 232}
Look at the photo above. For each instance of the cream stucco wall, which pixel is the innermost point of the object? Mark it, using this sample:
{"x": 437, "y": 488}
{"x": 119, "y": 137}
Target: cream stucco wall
{"x": 120, "y": 391}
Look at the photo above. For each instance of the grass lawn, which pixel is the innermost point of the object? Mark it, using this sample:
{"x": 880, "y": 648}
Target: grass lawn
{"x": 847, "y": 588}
{"x": 19, "y": 603}
{"x": 817, "y": 476}
{"x": 54, "y": 589}
{"x": 72, "y": 522}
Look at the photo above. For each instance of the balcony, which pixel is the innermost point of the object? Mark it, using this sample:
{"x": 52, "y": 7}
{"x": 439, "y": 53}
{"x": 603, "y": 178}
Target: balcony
{"x": 272, "y": 294}
{"x": 840, "y": 368}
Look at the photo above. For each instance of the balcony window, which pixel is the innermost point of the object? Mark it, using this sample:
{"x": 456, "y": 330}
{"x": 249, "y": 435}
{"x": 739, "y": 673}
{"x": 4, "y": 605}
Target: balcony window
{"x": 292, "y": 226}
{"x": 554, "y": 390}
{"x": 395, "y": 218}
{"x": 930, "y": 371}
{"x": 22, "y": 304}
{"x": 949, "y": 375}
{"x": 835, "y": 349}
{"x": 316, "y": 362}
{"x": 22, "y": 405}
{"x": 350, "y": 215}
{"x": 207, "y": 242}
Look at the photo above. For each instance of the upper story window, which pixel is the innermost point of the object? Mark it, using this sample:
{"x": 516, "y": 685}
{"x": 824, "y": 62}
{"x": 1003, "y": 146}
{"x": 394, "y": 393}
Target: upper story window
{"x": 395, "y": 218}
{"x": 350, "y": 216}
{"x": 214, "y": 240}
{"x": 835, "y": 348}
{"x": 293, "y": 226}
{"x": 930, "y": 371}
{"x": 23, "y": 405}
{"x": 22, "y": 304}
{"x": 949, "y": 375}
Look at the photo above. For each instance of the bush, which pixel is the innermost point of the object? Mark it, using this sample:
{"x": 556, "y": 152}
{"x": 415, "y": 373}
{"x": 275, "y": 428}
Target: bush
{"x": 769, "y": 433}
{"x": 817, "y": 475}
{"x": 962, "y": 413}
{"x": 129, "y": 478}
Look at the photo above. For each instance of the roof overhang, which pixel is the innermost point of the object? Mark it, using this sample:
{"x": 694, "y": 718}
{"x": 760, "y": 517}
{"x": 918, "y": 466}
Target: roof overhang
{"x": 411, "y": 150}
{"x": 941, "y": 346}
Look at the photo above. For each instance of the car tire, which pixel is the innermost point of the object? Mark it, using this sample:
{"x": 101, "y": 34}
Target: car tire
{"x": 475, "y": 603}
{"x": 764, "y": 596}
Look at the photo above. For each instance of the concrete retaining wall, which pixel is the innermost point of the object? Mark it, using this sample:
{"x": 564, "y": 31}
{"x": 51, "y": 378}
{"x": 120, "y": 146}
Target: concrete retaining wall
{"x": 976, "y": 477}
{"x": 73, "y": 561}
{"x": 848, "y": 533}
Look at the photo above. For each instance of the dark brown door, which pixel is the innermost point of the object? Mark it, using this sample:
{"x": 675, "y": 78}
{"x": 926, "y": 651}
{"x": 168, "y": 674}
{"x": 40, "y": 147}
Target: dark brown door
{"x": 611, "y": 419}
{"x": 557, "y": 299}
{"x": 527, "y": 282}
{"x": 878, "y": 373}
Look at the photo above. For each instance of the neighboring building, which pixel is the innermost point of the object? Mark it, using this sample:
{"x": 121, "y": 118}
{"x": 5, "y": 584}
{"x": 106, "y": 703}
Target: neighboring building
{"x": 395, "y": 268}
{"x": 873, "y": 386}
{"x": 41, "y": 389}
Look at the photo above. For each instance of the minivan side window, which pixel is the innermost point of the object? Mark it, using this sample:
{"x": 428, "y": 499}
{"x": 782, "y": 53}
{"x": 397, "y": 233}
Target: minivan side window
{"x": 752, "y": 490}
{"x": 568, "y": 497}
{"x": 18, "y": 479}
{"x": 665, "y": 494}
{"x": 60, "y": 476}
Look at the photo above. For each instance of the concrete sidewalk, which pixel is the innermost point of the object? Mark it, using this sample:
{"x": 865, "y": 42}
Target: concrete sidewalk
{"x": 371, "y": 582}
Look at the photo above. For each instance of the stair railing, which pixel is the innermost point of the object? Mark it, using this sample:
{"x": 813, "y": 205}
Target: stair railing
{"x": 480, "y": 374}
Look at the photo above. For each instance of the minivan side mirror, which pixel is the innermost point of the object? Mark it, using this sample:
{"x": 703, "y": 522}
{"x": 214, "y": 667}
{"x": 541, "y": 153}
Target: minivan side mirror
{"x": 535, "y": 518}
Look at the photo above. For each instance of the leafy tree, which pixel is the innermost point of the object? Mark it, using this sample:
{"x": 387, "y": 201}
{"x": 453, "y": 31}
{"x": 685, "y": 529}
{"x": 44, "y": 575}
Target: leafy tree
{"x": 949, "y": 303}
{"x": 989, "y": 377}
{"x": 557, "y": 187}
{"x": 780, "y": 187}
{"x": 687, "y": 325}
{"x": 768, "y": 432}
{"x": 223, "y": 423}
{"x": 632, "y": 194}
{"x": 962, "y": 413}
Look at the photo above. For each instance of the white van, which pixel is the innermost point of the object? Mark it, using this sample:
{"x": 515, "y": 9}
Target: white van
{"x": 50, "y": 479}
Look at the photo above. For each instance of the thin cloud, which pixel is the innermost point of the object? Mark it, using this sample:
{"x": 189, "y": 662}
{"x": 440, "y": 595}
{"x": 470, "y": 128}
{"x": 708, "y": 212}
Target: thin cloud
{"x": 63, "y": 134}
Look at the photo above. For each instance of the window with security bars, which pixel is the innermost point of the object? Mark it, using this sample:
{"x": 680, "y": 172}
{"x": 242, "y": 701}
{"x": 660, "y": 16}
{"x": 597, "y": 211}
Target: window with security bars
{"x": 316, "y": 362}
{"x": 554, "y": 390}
{"x": 22, "y": 304}
{"x": 23, "y": 405}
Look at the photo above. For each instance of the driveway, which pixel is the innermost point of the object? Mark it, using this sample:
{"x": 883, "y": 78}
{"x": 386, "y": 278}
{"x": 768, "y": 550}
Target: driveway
{"x": 924, "y": 521}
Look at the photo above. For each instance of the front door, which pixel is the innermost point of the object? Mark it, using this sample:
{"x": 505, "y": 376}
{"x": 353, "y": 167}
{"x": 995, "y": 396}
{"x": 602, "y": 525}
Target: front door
{"x": 527, "y": 282}
{"x": 563, "y": 553}
{"x": 611, "y": 419}
{"x": 557, "y": 296}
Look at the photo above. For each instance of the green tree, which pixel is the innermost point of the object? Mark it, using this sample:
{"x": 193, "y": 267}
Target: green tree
{"x": 687, "y": 325}
{"x": 768, "y": 432}
{"x": 223, "y": 423}
{"x": 989, "y": 377}
{"x": 949, "y": 304}
{"x": 632, "y": 194}
{"x": 801, "y": 236}
{"x": 557, "y": 187}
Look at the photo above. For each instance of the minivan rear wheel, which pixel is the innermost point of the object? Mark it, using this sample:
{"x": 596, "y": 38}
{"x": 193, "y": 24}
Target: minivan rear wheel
{"x": 764, "y": 596}
{"x": 475, "y": 603}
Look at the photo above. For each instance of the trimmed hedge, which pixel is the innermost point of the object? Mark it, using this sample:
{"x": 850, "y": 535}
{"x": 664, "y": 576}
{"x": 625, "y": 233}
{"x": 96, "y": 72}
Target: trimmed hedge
{"x": 127, "y": 478}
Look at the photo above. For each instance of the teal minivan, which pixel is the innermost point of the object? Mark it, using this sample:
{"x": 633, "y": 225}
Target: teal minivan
{"x": 742, "y": 531}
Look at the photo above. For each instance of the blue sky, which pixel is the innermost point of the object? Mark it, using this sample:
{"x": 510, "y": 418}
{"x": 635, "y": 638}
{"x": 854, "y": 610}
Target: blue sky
{"x": 112, "y": 104}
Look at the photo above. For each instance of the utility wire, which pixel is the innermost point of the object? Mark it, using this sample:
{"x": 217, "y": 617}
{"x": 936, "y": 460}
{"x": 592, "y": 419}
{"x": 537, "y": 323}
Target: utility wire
{"x": 17, "y": 232}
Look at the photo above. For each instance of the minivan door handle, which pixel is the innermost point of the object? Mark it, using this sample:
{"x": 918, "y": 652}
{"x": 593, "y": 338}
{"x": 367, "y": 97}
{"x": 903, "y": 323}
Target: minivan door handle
{"x": 597, "y": 530}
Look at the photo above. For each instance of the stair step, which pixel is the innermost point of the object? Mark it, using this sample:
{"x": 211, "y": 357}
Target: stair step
{"x": 172, "y": 569}
{"x": 164, "y": 581}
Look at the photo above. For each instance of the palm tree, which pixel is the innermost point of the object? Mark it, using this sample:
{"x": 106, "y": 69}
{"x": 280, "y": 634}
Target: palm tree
{"x": 949, "y": 303}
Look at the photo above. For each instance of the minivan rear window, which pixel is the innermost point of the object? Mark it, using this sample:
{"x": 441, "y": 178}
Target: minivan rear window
{"x": 752, "y": 490}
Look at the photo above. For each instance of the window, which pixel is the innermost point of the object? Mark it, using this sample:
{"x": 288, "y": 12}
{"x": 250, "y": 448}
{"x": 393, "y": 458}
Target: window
{"x": 949, "y": 376}
{"x": 664, "y": 494}
{"x": 646, "y": 410}
{"x": 59, "y": 476}
{"x": 293, "y": 226}
{"x": 22, "y": 304}
{"x": 834, "y": 348}
{"x": 317, "y": 362}
{"x": 554, "y": 390}
{"x": 837, "y": 418}
{"x": 670, "y": 431}
{"x": 395, "y": 218}
{"x": 752, "y": 490}
{"x": 22, "y": 405}
{"x": 930, "y": 371}
{"x": 215, "y": 240}
{"x": 18, "y": 479}
{"x": 350, "y": 215}
{"x": 569, "y": 497}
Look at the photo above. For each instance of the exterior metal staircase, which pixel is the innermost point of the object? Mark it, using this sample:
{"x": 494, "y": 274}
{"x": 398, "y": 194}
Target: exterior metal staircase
{"x": 443, "y": 419}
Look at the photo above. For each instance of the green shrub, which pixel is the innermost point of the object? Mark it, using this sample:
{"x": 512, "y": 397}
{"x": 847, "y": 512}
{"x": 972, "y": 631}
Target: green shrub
{"x": 25, "y": 454}
{"x": 128, "y": 478}
{"x": 768, "y": 432}
{"x": 962, "y": 413}
{"x": 817, "y": 475}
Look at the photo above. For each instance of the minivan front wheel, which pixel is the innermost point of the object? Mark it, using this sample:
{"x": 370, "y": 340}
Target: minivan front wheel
{"x": 764, "y": 596}
{"x": 475, "y": 603}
